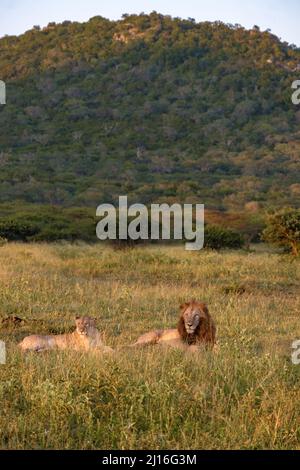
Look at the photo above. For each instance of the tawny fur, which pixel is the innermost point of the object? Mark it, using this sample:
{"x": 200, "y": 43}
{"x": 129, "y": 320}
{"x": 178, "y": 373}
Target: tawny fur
{"x": 86, "y": 337}
{"x": 195, "y": 328}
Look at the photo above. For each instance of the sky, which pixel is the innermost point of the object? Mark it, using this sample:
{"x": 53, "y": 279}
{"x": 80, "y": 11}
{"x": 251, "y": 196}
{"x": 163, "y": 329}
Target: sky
{"x": 281, "y": 16}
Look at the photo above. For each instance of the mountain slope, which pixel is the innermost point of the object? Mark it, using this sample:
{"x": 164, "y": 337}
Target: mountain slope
{"x": 149, "y": 106}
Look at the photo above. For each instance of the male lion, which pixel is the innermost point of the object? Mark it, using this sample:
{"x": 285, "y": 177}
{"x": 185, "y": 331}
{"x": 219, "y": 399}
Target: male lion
{"x": 85, "y": 337}
{"x": 195, "y": 327}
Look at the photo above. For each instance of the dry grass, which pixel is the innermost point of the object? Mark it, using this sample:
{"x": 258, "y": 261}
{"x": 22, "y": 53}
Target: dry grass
{"x": 245, "y": 395}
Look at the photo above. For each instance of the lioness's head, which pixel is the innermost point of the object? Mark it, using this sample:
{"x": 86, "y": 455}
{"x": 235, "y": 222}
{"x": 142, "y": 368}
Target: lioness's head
{"x": 85, "y": 326}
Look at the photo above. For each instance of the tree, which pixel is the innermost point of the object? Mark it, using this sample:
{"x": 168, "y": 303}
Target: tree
{"x": 283, "y": 229}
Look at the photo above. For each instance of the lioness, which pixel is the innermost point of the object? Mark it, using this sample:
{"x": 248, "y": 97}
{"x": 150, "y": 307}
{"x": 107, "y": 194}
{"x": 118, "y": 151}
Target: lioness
{"x": 85, "y": 337}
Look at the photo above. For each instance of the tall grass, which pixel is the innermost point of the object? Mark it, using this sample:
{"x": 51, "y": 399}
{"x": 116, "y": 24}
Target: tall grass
{"x": 245, "y": 395}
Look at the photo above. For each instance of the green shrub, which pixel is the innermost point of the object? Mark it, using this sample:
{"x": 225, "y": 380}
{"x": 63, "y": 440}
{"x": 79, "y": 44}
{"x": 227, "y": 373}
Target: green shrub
{"x": 17, "y": 230}
{"x": 218, "y": 237}
{"x": 47, "y": 223}
{"x": 283, "y": 229}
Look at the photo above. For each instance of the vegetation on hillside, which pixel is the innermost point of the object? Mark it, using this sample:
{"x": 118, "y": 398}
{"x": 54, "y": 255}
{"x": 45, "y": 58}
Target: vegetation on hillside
{"x": 149, "y": 106}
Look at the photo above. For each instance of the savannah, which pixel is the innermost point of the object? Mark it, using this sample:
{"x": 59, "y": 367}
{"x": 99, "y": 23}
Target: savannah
{"x": 243, "y": 395}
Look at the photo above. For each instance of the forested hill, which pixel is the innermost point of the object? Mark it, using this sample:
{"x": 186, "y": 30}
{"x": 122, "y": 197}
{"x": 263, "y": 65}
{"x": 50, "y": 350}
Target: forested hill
{"x": 153, "y": 107}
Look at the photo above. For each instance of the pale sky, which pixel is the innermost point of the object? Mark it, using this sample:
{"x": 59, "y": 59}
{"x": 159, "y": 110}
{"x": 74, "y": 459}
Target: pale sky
{"x": 281, "y": 16}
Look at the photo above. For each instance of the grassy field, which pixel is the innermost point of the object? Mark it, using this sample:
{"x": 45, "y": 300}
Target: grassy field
{"x": 245, "y": 395}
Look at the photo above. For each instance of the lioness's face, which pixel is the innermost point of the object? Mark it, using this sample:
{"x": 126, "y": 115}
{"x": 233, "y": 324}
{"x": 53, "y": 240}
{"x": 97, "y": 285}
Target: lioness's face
{"x": 191, "y": 317}
{"x": 85, "y": 325}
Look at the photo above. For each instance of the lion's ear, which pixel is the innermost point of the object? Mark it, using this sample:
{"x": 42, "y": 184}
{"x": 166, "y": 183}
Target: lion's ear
{"x": 203, "y": 307}
{"x": 183, "y": 306}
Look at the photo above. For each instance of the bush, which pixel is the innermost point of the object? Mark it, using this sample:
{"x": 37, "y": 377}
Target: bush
{"x": 216, "y": 237}
{"x": 283, "y": 229}
{"x": 17, "y": 230}
{"x": 47, "y": 223}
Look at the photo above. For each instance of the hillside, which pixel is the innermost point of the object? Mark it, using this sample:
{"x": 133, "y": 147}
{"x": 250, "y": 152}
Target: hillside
{"x": 149, "y": 106}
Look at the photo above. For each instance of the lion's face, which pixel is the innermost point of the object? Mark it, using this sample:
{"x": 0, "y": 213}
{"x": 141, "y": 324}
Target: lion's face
{"x": 195, "y": 324}
{"x": 191, "y": 314}
{"x": 85, "y": 326}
